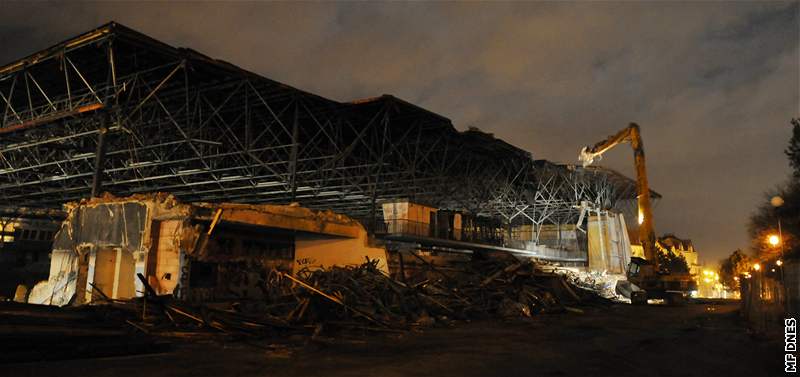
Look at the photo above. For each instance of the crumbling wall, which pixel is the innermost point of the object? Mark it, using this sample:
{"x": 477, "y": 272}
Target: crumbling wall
{"x": 317, "y": 251}
{"x": 61, "y": 284}
{"x": 290, "y": 217}
{"x": 165, "y": 266}
{"x": 608, "y": 243}
{"x": 199, "y": 251}
{"x": 561, "y": 236}
{"x": 555, "y": 241}
{"x": 115, "y": 230}
{"x": 235, "y": 261}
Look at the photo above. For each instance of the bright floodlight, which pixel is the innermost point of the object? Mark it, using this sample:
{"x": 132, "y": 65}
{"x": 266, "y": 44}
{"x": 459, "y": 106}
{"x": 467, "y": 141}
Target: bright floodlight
{"x": 774, "y": 240}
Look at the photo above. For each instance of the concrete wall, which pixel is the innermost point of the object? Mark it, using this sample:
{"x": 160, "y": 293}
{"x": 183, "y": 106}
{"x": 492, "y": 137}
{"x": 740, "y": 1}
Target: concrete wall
{"x": 608, "y": 243}
{"x": 61, "y": 285}
{"x": 168, "y": 258}
{"x": 314, "y": 251}
{"x": 523, "y": 232}
{"x": 564, "y": 236}
{"x": 105, "y": 271}
{"x": 411, "y": 218}
{"x": 408, "y": 211}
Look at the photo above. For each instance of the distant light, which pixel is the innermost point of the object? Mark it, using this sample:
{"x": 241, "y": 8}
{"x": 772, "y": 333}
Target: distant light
{"x": 774, "y": 240}
{"x": 756, "y": 266}
{"x": 773, "y": 270}
{"x": 776, "y": 201}
{"x": 779, "y": 262}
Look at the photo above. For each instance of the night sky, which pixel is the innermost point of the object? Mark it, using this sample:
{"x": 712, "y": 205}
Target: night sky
{"x": 712, "y": 84}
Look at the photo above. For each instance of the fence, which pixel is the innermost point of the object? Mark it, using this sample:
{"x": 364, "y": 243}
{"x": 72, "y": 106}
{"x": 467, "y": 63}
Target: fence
{"x": 478, "y": 234}
{"x": 768, "y": 297}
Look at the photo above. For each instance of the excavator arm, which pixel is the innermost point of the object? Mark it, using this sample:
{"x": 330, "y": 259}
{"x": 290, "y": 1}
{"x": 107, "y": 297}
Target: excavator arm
{"x": 632, "y": 135}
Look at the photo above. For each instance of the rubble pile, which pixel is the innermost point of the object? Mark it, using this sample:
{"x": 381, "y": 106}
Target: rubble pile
{"x": 601, "y": 282}
{"x": 363, "y": 298}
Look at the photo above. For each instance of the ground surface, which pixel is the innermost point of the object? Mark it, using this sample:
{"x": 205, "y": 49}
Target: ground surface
{"x": 624, "y": 340}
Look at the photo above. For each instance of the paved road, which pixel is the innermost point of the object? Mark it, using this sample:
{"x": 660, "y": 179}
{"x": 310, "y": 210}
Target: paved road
{"x": 696, "y": 340}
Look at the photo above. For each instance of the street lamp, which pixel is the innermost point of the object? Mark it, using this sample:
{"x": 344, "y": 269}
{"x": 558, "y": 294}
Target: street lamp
{"x": 776, "y": 202}
{"x": 774, "y": 239}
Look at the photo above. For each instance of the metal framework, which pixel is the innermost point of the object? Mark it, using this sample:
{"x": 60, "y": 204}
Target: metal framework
{"x": 114, "y": 110}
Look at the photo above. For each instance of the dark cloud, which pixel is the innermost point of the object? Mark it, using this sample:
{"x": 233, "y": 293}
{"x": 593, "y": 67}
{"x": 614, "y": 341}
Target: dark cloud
{"x": 713, "y": 84}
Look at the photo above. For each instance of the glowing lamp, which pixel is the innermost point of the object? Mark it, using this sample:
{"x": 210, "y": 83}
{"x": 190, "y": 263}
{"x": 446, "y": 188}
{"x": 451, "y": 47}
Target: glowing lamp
{"x": 774, "y": 240}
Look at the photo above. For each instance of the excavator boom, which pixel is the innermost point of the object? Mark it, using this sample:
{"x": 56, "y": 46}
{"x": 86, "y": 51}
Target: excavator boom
{"x": 632, "y": 135}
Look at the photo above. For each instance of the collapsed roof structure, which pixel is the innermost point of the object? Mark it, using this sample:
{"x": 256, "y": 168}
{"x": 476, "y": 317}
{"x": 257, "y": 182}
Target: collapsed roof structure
{"x": 115, "y": 110}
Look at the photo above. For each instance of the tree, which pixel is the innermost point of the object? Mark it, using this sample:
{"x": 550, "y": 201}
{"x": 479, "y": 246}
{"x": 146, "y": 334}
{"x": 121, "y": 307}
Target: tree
{"x": 732, "y": 266}
{"x": 793, "y": 150}
{"x": 764, "y": 221}
{"x": 673, "y": 262}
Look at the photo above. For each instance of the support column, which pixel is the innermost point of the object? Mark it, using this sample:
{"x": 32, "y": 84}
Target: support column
{"x": 82, "y": 280}
{"x": 117, "y": 268}
{"x": 602, "y": 239}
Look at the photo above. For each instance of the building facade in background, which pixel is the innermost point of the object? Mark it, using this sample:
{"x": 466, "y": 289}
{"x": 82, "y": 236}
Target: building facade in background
{"x": 682, "y": 247}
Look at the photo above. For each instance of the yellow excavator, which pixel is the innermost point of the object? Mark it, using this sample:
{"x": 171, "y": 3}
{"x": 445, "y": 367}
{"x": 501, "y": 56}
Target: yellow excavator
{"x": 651, "y": 281}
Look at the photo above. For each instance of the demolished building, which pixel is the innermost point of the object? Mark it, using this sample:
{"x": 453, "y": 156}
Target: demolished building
{"x": 114, "y": 110}
{"x": 196, "y": 252}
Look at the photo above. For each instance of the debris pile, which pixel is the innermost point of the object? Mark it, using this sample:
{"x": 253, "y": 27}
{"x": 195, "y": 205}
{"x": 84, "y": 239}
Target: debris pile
{"x": 601, "y": 282}
{"x": 364, "y": 299}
